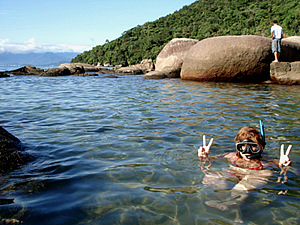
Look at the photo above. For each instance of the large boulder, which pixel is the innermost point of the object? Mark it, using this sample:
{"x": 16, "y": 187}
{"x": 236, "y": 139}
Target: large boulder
{"x": 229, "y": 59}
{"x": 290, "y": 51}
{"x": 285, "y": 72}
{"x": 295, "y": 39}
{"x": 171, "y": 57}
{"x": 75, "y": 68}
{"x": 10, "y": 156}
{"x": 234, "y": 59}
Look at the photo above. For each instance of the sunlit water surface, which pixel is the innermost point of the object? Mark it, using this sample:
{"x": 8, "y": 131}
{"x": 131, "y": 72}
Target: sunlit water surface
{"x": 124, "y": 151}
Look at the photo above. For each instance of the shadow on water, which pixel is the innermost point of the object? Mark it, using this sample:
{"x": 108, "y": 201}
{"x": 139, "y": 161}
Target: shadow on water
{"x": 125, "y": 151}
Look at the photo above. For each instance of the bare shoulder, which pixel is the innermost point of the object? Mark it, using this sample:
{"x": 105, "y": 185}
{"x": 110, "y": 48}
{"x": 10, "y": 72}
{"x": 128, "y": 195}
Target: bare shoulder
{"x": 231, "y": 156}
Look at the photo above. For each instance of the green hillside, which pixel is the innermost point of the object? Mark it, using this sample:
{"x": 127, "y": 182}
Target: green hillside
{"x": 202, "y": 19}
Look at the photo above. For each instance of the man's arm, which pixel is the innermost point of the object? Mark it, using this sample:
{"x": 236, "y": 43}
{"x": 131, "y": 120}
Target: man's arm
{"x": 272, "y": 34}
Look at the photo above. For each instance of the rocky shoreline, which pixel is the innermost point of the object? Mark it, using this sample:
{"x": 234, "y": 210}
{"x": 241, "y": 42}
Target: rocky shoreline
{"x": 82, "y": 69}
{"x": 243, "y": 58}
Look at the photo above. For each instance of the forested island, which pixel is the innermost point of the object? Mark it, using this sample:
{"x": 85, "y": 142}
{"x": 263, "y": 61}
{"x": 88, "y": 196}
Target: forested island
{"x": 202, "y": 19}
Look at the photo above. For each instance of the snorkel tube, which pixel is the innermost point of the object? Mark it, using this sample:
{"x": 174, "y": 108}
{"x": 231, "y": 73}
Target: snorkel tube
{"x": 262, "y": 132}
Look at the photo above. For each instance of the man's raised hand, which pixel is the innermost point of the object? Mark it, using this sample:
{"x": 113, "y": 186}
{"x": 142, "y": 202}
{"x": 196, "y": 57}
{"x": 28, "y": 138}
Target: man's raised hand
{"x": 284, "y": 157}
{"x": 203, "y": 151}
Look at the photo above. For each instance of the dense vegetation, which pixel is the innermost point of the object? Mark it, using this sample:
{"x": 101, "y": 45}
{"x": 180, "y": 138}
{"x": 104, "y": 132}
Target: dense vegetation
{"x": 202, "y": 19}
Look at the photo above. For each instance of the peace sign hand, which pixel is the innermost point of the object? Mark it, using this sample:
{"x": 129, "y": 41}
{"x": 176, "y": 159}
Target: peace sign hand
{"x": 284, "y": 158}
{"x": 203, "y": 151}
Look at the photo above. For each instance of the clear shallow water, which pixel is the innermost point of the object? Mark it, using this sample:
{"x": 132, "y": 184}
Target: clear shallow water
{"x": 124, "y": 151}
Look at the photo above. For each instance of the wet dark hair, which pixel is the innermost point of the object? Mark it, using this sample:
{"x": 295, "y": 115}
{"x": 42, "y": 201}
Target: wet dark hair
{"x": 250, "y": 133}
{"x": 275, "y": 21}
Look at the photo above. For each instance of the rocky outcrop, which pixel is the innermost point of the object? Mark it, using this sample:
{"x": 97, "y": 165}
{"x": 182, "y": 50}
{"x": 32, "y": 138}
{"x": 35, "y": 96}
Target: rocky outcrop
{"x": 104, "y": 70}
{"x": 82, "y": 67}
{"x": 4, "y": 74}
{"x": 285, "y": 72}
{"x": 65, "y": 69}
{"x": 171, "y": 57}
{"x": 26, "y": 70}
{"x": 74, "y": 68}
{"x": 10, "y": 156}
{"x": 55, "y": 72}
{"x": 234, "y": 59}
{"x": 129, "y": 70}
{"x": 229, "y": 59}
{"x": 145, "y": 66}
{"x": 155, "y": 75}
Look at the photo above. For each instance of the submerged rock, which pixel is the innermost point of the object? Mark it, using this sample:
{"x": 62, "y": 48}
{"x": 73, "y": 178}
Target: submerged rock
{"x": 155, "y": 75}
{"x": 110, "y": 76}
{"x": 10, "y": 156}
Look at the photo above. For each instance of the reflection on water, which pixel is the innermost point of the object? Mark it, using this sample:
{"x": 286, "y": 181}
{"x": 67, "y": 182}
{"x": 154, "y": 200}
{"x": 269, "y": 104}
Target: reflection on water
{"x": 124, "y": 151}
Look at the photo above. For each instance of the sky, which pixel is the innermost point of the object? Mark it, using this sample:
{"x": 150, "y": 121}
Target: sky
{"x": 74, "y": 25}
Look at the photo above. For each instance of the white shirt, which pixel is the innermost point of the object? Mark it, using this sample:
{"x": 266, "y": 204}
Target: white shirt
{"x": 277, "y": 31}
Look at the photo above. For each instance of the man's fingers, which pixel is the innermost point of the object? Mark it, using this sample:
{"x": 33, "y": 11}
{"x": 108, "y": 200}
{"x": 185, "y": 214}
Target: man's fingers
{"x": 282, "y": 150}
{"x": 210, "y": 143}
{"x": 204, "y": 141}
{"x": 200, "y": 151}
{"x": 288, "y": 150}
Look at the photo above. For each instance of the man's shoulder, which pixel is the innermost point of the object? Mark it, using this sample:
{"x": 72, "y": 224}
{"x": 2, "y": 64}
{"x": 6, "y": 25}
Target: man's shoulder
{"x": 276, "y": 27}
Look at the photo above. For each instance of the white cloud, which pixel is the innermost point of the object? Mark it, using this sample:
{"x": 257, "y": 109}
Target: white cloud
{"x": 31, "y": 46}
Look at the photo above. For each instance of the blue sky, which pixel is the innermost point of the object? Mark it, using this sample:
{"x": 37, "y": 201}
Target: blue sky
{"x": 74, "y": 25}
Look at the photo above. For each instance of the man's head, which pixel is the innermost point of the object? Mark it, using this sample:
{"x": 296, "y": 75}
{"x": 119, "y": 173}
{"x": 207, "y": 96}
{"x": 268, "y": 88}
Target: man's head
{"x": 275, "y": 22}
{"x": 249, "y": 143}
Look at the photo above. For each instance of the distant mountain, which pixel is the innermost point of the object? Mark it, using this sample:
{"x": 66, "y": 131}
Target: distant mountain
{"x": 37, "y": 59}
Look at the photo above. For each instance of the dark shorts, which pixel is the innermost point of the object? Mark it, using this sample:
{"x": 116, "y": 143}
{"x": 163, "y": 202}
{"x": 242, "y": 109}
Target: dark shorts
{"x": 276, "y": 45}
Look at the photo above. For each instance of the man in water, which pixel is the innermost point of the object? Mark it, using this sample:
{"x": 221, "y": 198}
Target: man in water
{"x": 276, "y": 32}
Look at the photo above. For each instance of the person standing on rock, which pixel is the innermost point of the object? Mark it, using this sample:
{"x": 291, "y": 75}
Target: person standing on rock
{"x": 276, "y": 32}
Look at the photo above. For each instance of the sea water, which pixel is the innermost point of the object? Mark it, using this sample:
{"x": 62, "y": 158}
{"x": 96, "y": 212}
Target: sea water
{"x": 124, "y": 150}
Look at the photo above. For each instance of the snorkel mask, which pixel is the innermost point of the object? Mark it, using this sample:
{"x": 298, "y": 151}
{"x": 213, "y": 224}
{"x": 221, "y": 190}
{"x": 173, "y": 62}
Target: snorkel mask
{"x": 247, "y": 146}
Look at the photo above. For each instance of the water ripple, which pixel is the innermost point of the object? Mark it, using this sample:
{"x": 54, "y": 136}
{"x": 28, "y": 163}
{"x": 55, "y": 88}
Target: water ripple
{"x": 124, "y": 151}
